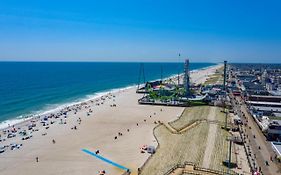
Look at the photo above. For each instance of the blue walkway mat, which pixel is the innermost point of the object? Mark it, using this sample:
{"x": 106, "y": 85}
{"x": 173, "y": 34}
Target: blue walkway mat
{"x": 105, "y": 160}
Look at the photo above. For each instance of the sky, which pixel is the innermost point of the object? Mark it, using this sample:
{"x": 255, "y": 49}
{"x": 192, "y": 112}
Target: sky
{"x": 141, "y": 30}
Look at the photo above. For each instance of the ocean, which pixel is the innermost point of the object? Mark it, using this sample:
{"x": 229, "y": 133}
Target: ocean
{"x": 30, "y": 88}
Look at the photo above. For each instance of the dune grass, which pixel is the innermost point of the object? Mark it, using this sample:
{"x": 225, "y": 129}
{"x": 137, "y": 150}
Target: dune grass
{"x": 190, "y": 145}
{"x": 220, "y": 153}
{"x": 176, "y": 149}
{"x": 215, "y": 78}
{"x": 192, "y": 114}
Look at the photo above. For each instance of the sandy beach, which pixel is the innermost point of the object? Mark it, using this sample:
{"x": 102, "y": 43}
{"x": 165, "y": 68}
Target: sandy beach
{"x": 115, "y": 125}
{"x": 199, "y": 77}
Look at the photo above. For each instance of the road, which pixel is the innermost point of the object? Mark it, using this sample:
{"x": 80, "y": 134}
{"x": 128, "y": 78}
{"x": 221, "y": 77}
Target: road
{"x": 261, "y": 149}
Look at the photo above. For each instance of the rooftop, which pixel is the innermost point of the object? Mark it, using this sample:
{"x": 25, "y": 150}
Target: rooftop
{"x": 263, "y": 103}
{"x": 265, "y": 108}
{"x": 266, "y": 96}
{"x": 276, "y": 147}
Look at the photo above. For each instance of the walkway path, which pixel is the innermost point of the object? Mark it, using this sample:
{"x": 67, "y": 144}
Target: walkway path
{"x": 190, "y": 125}
{"x": 182, "y": 130}
{"x": 266, "y": 151}
{"x": 210, "y": 140}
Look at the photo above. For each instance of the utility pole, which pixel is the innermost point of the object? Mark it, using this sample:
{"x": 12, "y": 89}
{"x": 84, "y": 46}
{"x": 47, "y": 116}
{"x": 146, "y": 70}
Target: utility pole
{"x": 230, "y": 139}
{"x": 225, "y": 125}
{"x": 229, "y": 156}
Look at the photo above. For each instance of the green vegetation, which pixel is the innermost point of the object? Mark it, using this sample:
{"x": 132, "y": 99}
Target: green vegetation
{"x": 215, "y": 78}
{"x": 197, "y": 103}
{"x": 165, "y": 95}
{"x": 190, "y": 115}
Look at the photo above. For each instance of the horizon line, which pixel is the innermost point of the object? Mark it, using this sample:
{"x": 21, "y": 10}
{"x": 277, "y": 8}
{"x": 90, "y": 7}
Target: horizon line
{"x": 125, "y": 61}
{"x": 98, "y": 61}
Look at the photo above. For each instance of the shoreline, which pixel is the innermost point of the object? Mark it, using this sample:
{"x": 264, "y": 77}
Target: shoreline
{"x": 15, "y": 121}
{"x": 117, "y": 131}
{"x": 60, "y": 107}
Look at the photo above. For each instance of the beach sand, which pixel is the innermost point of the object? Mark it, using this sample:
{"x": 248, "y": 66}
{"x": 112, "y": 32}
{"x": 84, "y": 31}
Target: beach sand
{"x": 199, "y": 77}
{"x": 97, "y": 131}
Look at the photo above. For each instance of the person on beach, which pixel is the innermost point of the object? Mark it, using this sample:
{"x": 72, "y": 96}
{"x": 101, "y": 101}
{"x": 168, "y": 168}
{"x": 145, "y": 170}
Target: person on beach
{"x": 37, "y": 159}
{"x": 53, "y": 141}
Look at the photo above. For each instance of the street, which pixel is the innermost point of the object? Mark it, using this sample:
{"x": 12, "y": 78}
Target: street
{"x": 261, "y": 149}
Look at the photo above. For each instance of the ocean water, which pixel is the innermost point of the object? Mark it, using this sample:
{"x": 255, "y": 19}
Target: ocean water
{"x": 28, "y": 88}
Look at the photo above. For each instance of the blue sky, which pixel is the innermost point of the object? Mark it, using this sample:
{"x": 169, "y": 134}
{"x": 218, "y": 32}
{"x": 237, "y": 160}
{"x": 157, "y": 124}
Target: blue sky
{"x": 140, "y": 30}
